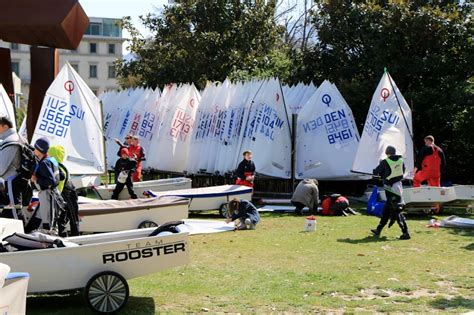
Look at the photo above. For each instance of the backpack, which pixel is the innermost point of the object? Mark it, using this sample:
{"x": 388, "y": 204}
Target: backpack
{"x": 28, "y": 159}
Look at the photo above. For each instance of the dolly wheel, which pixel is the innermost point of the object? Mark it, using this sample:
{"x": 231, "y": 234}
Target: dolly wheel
{"x": 147, "y": 224}
{"x": 106, "y": 292}
{"x": 224, "y": 210}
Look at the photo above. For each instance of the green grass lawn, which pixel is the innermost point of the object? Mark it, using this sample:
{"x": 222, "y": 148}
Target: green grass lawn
{"x": 279, "y": 268}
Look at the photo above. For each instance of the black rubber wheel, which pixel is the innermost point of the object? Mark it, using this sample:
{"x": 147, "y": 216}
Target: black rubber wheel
{"x": 147, "y": 224}
{"x": 107, "y": 292}
{"x": 224, "y": 210}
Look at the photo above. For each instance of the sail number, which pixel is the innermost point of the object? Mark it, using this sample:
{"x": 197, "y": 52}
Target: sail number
{"x": 57, "y": 117}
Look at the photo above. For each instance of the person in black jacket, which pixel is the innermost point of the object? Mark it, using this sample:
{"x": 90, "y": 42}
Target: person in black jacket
{"x": 245, "y": 212}
{"x": 391, "y": 171}
{"x": 46, "y": 177}
{"x": 124, "y": 168}
{"x": 246, "y": 170}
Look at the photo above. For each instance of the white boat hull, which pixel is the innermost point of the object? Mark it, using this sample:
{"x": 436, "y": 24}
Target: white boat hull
{"x": 85, "y": 181}
{"x": 105, "y": 192}
{"x": 211, "y": 198}
{"x": 129, "y": 253}
{"x": 127, "y": 215}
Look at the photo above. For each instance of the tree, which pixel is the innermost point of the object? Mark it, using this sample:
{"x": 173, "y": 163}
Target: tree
{"x": 428, "y": 49}
{"x": 205, "y": 40}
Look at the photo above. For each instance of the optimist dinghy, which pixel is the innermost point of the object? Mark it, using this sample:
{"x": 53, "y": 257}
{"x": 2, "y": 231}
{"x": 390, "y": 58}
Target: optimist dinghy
{"x": 100, "y": 264}
{"x": 210, "y": 198}
{"x": 105, "y": 192}
{"x": 110, "y": 216}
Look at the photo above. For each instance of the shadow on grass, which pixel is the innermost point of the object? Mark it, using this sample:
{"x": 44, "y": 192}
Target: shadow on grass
{"x": 469, "y": 247}
{"x": 74, "y": 303}
{"x": 461, "y": 232}
{"x": 367, "y": 239}
{"x": 454, "y": 303}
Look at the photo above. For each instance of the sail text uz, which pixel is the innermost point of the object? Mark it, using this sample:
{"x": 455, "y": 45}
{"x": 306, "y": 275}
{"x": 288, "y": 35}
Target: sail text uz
{"x": 265, "y": 122}
{"x": 58, "y": 115}
{"x": 337, "y": 126}
{"x": 378, "y": 119}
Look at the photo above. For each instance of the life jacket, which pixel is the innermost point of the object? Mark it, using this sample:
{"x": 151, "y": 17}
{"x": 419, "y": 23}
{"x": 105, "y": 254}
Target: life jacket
{"x": 396, "y": 168}
{"x": 432, "y": 163}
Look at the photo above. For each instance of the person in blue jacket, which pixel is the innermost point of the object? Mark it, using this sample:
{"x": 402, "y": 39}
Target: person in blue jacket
{"x": 46, "y": 177}
{"x": 245, "y": 212}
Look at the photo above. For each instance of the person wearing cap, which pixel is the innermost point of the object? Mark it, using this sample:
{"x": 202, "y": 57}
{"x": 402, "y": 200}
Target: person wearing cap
{"x": 306, "y": 195}
{"x": 246, "y": 170}
{"x": 10, "y": 163}
{"x": 125, "y": 144}
{"x": 137, "y": 153}
{"x": 124, "y": 168}
{"x": 337, "y": 205}
{"x": 46, "y": 177}
{"x": 429, "y": 163}
{"x": 244, "y": 214}
{"x": 391, "y": 170}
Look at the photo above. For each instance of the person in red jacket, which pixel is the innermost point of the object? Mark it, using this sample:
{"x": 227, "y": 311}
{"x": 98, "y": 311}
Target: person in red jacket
{"x": 336, "y": 205}
{"x": 429, "y": 162}
{"x": 138, "y": 154}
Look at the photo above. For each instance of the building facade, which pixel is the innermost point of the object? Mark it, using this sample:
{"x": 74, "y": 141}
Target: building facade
{"x": 94, "y": 59}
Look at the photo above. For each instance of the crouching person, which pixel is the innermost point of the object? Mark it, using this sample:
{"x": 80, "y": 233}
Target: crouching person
{"x": 124, "y": 168}
{"x": 306, "y": 195}
{"x": 336, "y": 205}
{"x": 245, "y": 212}
{"x": 46, "y": 177}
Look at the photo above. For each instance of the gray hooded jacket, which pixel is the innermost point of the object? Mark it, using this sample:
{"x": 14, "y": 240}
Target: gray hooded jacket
{"x": 10, "y": 156}
{"x": 307, "y": 193}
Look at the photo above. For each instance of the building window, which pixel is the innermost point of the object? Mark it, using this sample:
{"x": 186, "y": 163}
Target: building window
{"x": 93, "y": 48}
{"x": 16, "y": 67}
{"x": 94, "y": 29}
{"x": 112, "y": 72}
{"x": 75, "y": 66}
{"x": 112, "y": 49}
{"x": 15, "y": 46}
{"x": 92, "y": 71}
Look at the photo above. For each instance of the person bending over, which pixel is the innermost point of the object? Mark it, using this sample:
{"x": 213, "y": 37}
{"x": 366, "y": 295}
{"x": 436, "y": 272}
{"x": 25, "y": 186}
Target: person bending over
{"x": 306, "y": 195}
{"x": 245, "y": 212}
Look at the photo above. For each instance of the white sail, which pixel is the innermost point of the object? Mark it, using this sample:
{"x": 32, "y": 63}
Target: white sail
{"x": 327, "y": 137}
{"x": 267, "y": 132}
{"x": 389, "y": 122}
{"x": 6, "y": 106}
{"x": 71, "y": 116}
{"x": 170, "y": 150}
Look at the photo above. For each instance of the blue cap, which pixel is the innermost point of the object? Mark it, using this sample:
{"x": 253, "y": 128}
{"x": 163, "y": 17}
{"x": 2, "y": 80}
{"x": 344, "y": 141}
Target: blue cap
{"x": 42, "y": 145}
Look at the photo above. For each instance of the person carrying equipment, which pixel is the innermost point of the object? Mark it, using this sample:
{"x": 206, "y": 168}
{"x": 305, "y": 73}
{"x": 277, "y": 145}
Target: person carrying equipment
{"x": 391, "y": 171}
{"x": 68, "y": 192}
{"x": 124, "y": 168}
{"x": 246, "y": 170}
{"x": 429, "y": 163}
{"x": 337, "y": 205}
{"x": 245, "y": 212}
{"x": 46, "y": 178}
{"x": 306, "y": 195}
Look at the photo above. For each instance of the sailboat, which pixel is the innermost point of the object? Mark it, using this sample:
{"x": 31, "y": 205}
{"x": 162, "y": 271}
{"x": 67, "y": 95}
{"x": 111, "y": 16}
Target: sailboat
{"x": 327, "y": 136}
{"x": 71, "y": 116}
{"x": 389, "y": 122}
